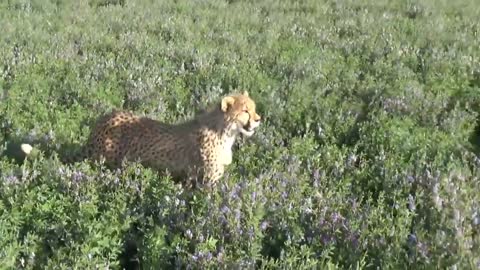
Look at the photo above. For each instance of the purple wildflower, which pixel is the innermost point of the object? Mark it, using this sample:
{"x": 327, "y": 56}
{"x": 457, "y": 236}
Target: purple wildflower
{"x": 283, "y": 181}
{"x": 78, "y": 176}
{"x": 354, "y": 203}
{"x": 353, "y": 237}
{"x": 475, "y": 219}
{"x": 61, "y": 171}
{"x": 411, "y": 203}
{"x": 234, "y": 193}
{"x": 223, "y": 188}
{"x": 410, "y": 179}
{"x": 251, "y": 233}
{"x": 307, "y": 208}
{"x": 352, "y": 159}
{"x": 264, "y": 225}
{"x": 223, "y": 220}
{"x": 189, "y": 234}
{"x": 396, "y": 104}
{"x": 321, "y": 223}
{"x": 238, "y": 214}
{"x": 220, "y": 255}
{"x": 225, "y": 209}
{"x": 32, "y": 135}
{"x": 423, "y": 249}
{"x": 316, "y": 174}
{"x": 336, "y": 217}
{"x": 50, "y": 136}
{"x": 11, "y": 180}
{"x": 326, "y": 239}
{"x": 412, "y": 239}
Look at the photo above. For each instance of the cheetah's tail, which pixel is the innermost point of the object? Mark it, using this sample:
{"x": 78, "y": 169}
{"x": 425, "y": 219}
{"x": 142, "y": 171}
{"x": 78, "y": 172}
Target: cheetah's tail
{"x": 26, "y": 148}
{"x": 70, "y": 158}
{"x": 67, "y": 158}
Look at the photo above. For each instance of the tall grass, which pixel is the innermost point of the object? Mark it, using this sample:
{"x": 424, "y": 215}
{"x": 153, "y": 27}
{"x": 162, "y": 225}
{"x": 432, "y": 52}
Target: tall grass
{"x": 367, "y": 156}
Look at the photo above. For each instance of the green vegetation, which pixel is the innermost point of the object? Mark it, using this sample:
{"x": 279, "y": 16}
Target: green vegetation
{"x": 367, "y": 156}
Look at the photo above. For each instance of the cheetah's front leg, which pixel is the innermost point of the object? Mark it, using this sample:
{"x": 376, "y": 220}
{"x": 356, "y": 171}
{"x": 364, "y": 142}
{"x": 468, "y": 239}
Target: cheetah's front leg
{"x": 227, "y": 158}
{"x": 213, "y": 171}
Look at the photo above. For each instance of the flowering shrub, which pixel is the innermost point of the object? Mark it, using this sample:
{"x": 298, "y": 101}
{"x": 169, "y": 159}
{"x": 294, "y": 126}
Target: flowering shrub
{"x": 367, "y": 156}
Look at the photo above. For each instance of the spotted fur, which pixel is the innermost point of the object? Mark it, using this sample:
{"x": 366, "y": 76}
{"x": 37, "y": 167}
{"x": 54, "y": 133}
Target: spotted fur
{"x": 196, "y": 151}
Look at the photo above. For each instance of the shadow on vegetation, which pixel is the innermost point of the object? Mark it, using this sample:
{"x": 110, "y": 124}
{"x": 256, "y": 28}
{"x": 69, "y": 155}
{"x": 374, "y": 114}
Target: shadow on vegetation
{"x": 133, "y": 238}
{"x": 128, "y": 258}
{"x": 13, "y": 150}
{"x": 474, "y": 139}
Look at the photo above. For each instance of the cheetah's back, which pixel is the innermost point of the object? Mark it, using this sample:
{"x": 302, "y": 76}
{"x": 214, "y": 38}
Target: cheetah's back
{"x": 120, "y": 135}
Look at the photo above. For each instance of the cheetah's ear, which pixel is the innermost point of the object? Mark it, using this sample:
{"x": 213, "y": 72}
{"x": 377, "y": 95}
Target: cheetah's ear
{"x": 245, "y": 93}
{"x": 227, "y": 101}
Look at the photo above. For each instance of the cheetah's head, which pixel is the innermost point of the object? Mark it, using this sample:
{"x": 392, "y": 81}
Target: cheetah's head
{"x": 240, "y": 110}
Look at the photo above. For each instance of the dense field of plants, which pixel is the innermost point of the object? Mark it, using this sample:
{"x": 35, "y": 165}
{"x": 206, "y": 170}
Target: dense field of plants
{"x": 367, "y": 156}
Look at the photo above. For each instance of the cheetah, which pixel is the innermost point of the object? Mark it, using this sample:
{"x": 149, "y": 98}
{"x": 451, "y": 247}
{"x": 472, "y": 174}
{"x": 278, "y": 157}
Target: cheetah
{"x": 196, "y": 151}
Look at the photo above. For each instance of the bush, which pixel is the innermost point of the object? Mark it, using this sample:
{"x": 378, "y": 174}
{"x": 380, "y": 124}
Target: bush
{"x": 367, "y": 156}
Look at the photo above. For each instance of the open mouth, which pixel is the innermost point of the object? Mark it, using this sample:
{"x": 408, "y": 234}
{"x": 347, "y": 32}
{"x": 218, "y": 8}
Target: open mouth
{"x": 247, "y": 133}
{"x": 247, "y": 130}
{"x": 249, "y": 127}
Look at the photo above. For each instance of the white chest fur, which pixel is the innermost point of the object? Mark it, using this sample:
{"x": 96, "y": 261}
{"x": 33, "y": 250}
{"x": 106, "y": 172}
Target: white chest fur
{"x": 226, "y": 149}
